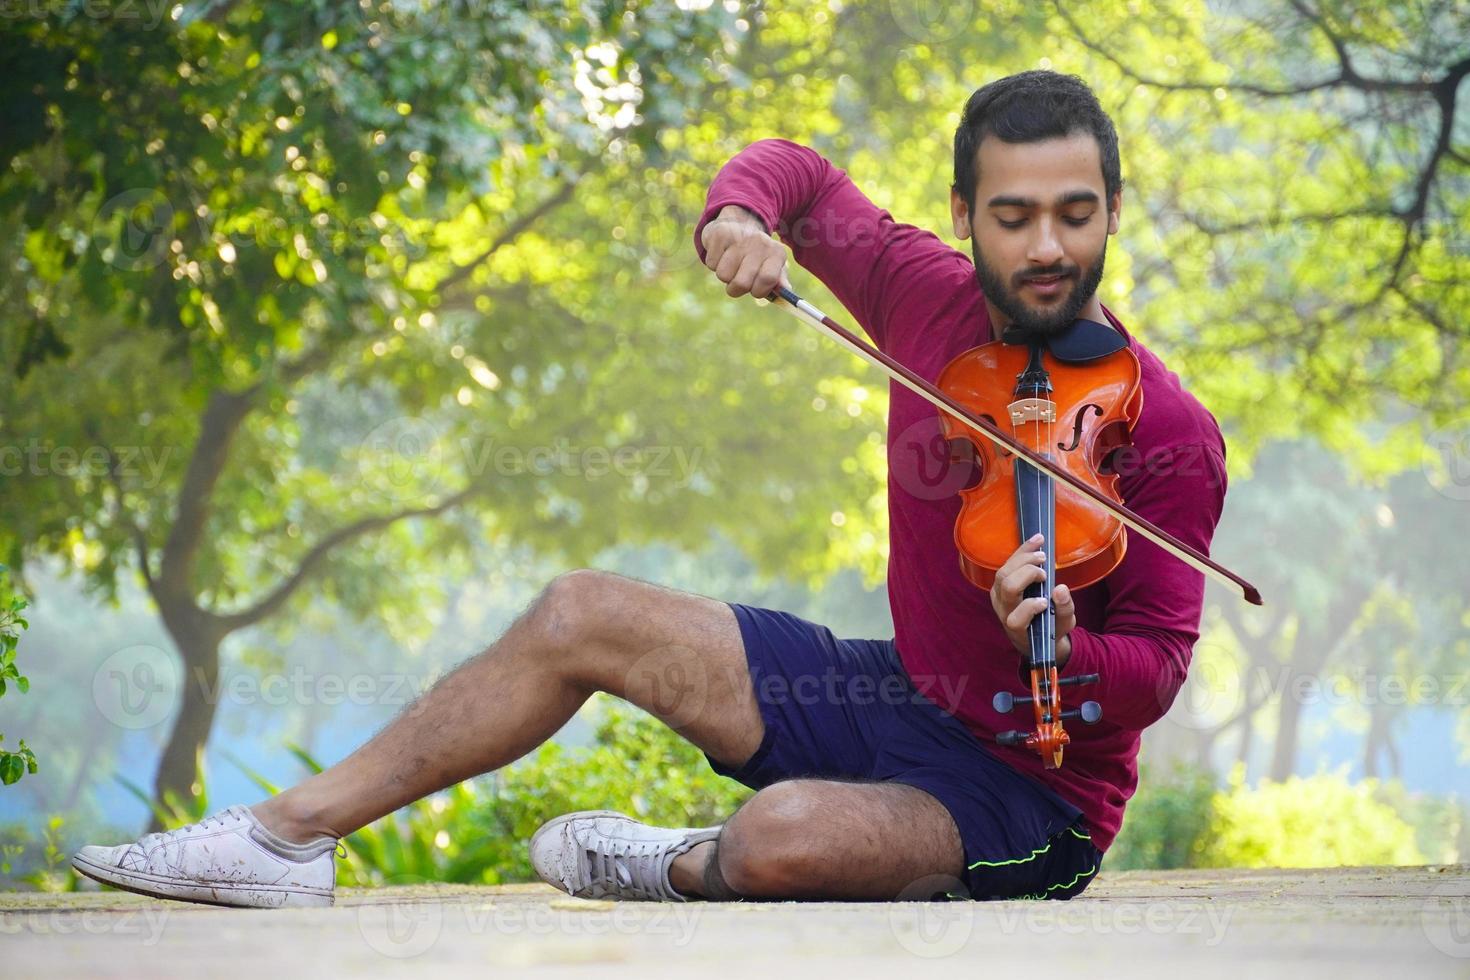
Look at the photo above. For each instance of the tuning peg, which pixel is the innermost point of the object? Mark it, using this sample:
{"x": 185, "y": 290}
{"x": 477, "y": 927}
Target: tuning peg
{"x": 1012, "y": 738}
{"x": 1090, "y": 712}
{"x": 1005, "y": 701}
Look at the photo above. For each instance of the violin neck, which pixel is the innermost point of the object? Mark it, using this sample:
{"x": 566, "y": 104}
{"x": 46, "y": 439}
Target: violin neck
{"x": 1036, "y": 505}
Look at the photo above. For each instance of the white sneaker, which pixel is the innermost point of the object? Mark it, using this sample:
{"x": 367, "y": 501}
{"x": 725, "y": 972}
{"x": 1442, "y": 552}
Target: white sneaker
{"x": 604, "y": 854}
{"x": 228, "y": 858}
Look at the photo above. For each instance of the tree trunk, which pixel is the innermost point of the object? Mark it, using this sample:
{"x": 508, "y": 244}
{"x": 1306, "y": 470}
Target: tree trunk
{"x": 1247, "y": 740}
{"x": 198, "y": 643}
{"x": 1283, "y": 754}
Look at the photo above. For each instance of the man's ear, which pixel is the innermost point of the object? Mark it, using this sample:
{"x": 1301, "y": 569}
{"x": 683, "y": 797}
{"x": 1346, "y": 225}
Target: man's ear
{"x": 1114, "y": 207}
{"x": 959, "y": 211}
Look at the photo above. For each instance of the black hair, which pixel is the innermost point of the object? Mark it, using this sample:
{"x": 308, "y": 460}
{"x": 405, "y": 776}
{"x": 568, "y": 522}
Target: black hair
{"x": 1027, "y": 108}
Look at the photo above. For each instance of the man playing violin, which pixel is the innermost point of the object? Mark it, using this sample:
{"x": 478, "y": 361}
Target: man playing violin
{"x": 876, "y": 764}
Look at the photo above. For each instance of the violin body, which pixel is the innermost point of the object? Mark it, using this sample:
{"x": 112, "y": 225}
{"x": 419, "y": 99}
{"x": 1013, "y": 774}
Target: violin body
{"x": 1089, "y": 412}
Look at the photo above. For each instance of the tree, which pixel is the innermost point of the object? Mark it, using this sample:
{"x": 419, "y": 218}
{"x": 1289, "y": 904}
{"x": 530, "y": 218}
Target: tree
{"x": 303, "y": 298}
{"x": 1304, "y": 169}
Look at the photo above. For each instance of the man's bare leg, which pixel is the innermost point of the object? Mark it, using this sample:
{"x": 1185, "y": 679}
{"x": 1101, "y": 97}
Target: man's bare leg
{"x": 814, "y": 838}
{"x": 678, "y": 656}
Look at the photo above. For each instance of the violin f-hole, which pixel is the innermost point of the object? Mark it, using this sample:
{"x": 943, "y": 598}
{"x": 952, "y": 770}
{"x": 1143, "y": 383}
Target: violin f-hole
{"x": 1077, "y": 427}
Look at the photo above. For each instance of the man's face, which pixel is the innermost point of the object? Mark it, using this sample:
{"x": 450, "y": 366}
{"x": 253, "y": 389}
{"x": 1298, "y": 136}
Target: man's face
{"x": 1039, "y": 229}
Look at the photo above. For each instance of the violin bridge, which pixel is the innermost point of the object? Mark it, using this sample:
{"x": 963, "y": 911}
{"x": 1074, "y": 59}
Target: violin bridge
{"x": 1032, "y": 410}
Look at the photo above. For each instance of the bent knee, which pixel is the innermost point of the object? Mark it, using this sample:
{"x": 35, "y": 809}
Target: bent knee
{"x": 772, "y": 847}
{"x": 574, "y": 607}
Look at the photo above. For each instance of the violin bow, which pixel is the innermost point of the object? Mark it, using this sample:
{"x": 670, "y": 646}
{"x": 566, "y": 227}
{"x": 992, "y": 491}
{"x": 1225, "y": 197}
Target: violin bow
{"x": 810, "y": 315}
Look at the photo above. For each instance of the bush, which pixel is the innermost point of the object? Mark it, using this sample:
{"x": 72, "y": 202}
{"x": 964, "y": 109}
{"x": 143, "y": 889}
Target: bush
{"x": 1319, "y": 822}
{"x": 1180, "y": 819}
{"x": 1168, "y": 820}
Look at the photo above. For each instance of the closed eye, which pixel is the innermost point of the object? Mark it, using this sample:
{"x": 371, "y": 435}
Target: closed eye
{"x": 1074, "y": 222}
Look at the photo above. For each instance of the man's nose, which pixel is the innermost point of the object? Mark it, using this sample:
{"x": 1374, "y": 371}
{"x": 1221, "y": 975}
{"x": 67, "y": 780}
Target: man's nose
{"x": 1045, "y": 247}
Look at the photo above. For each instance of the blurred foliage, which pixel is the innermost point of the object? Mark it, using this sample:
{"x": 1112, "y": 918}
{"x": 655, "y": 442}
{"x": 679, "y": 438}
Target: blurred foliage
{"x": 1166, "y": 822}
{"x": 15, "y": 764}
{"x": 1180, "y": 819}
{"x": 1319, "y": 821}
{"x": 1367, "y": 617}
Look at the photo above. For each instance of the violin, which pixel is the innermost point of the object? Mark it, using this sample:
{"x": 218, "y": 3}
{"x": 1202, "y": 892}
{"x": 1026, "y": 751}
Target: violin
{"x": 1097, "y": 403}
{"x": 1021, "y": 463}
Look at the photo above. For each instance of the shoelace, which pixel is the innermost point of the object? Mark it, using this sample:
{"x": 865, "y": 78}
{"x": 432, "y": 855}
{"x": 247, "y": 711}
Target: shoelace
{"x": 162, "y": 837}
{"x": 626, "y": 869}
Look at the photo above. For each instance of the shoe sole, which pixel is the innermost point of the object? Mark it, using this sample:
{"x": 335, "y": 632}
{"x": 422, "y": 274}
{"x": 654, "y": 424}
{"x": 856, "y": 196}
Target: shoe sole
{"x": 221, "y": 894}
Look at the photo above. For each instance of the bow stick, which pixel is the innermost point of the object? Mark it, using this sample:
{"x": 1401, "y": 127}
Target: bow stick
{"x": 809, "y": 314}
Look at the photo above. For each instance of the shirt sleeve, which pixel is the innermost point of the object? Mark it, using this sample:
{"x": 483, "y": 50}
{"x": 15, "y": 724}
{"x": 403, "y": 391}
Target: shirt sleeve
{"x": 868, "y": 260}
{"x": 1154, "y": 599}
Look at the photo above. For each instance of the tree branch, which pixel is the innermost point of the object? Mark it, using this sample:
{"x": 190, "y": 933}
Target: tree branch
{"x": 277, "y": 597}
{"x": 121, "y": 515}
{"x": 511, "y": 232}
{"x": 1347, "y": 75}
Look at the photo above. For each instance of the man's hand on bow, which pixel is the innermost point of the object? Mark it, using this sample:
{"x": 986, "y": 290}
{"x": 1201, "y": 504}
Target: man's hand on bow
{"x": 1007, "y": 597}
{"x": 743, "y": 255}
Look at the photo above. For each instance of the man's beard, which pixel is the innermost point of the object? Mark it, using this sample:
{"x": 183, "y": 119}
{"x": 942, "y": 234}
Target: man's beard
{"x": 1038, "y": 323}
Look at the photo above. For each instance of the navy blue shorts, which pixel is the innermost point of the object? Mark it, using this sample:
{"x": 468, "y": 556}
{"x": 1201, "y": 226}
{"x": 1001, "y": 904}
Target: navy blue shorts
{"x": 847, "y": 709}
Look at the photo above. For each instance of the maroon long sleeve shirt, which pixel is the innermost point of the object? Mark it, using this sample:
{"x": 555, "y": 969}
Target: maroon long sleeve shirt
{"x": 919, "y": 301}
